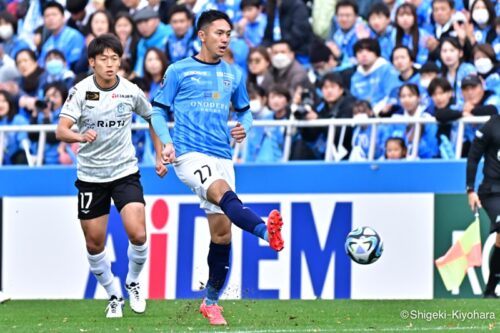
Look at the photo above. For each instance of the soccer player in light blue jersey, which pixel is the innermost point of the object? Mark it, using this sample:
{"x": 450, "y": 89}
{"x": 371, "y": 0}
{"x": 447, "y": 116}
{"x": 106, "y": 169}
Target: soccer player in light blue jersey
{"x": 198, "y": 90}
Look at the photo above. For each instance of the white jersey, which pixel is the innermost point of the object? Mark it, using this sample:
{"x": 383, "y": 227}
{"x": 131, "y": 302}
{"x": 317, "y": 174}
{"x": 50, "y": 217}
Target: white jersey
{"x": 108, "y": 112}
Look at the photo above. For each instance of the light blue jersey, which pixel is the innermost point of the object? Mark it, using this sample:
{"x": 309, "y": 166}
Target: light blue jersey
{"x": 199, "y": 95}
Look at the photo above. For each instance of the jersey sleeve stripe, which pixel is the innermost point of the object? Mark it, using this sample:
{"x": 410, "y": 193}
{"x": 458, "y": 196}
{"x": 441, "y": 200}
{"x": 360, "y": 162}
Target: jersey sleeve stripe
{"x": 160, "y": 105}
{"x": 65, "y": 115}
{"x": 242, "y": 109}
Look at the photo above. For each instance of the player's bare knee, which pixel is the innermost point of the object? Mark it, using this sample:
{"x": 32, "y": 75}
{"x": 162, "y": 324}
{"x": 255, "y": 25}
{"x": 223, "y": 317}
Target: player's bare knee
{"x": 217, "y": 190}
{"x": 138, "y": 238}
{"x": 221, "y": 238}
{"x": 94, "y": 248}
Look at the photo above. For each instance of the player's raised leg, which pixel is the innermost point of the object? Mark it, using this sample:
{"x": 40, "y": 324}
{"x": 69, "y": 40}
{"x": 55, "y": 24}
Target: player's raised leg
{"x": 94, "y": 231}
{"x": 222, "y": 195}
{"x": 133, "y": 216}
{"x": 218, "y": 266}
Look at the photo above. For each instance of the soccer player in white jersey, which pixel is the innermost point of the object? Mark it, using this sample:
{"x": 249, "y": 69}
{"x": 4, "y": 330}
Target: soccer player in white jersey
{"x": 101, "y": 105}
{"x": 199, "y": 90}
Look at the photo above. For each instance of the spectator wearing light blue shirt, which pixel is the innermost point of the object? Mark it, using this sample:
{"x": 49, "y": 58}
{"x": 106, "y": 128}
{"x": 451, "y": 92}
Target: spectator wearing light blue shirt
{"x": 153, "y": 33}
{"x": 344, "y": 28}
{"x": 15, "y": 141}
{"x": 487, "y": 66}
{"x": 379, "y": 20}
{"x": 483, "y": 19}
{"x": 454, "y": 68}
{"x": 375, "y": 77}
{"x": 63, "y": 38}
{"x": 253, "y": 22}
{"x": 8, "y": 35}
{"x": 180, "y": 43}
{"x": 408, "y": 33}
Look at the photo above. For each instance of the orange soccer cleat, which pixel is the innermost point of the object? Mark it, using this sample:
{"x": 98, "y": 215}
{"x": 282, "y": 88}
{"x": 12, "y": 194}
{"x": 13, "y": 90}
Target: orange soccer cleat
{"x": 274, "y": 224}
{"x": 213, "y": 313}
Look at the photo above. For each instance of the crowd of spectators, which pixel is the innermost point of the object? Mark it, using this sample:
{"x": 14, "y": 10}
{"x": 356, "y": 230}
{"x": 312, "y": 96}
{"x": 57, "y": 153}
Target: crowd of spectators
{"x": 302, "y": 59}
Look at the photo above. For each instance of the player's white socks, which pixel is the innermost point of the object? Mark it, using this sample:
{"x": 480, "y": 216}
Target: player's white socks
{"x": 100, "y": 266}
{"x": 137, "y": 255}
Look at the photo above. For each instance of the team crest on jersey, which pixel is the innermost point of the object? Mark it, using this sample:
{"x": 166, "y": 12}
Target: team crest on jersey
{"x": 227, "y": 85}
{"x": 120, "y": 109}
{"x": 92, "y": 95}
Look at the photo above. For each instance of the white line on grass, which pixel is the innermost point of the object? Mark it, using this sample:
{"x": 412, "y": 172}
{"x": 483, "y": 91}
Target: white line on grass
{"x": 394, "y": 329}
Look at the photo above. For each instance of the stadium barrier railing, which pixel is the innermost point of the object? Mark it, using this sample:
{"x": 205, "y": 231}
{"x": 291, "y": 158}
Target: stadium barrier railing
{"x": 291, "y": 126}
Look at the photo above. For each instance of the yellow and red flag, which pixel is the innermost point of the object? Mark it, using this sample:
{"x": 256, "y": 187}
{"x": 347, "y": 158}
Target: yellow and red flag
{"x": 465, "y": 253}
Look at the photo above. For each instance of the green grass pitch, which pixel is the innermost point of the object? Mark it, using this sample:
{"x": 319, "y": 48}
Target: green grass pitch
{"x": 262, "y": 316}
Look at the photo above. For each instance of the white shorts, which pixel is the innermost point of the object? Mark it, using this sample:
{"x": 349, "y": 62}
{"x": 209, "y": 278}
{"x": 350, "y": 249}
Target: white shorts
{"x": 198, "y": 171}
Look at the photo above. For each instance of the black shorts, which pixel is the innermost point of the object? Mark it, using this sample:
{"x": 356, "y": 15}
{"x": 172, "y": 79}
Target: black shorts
{"x": 94, "y": 199}
{"x": 491, "y": 203}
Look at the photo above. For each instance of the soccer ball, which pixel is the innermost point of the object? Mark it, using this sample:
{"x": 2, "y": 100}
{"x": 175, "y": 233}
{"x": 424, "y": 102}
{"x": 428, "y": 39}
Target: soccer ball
{"x": 364, "y": 245}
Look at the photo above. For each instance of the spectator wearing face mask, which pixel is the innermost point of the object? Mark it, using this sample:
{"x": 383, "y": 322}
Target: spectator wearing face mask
{"x": 285, "y": 70}
{"x": 260, "y": 111}
{"x": 8, "y": 35}
{"x": 56, "y": 70}
{"x": 361, "y": 134}
{"x": 483, "y": 19}
{"x": 487, "y": 66}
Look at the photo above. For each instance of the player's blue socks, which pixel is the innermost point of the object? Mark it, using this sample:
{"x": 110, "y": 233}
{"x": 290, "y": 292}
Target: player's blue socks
{"x": 243, "y": 217}
{"x": 218, "y": 266}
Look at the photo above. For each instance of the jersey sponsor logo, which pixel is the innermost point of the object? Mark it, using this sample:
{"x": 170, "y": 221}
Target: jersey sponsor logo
{"x": 115, "y": 95}
{"x": 208, "y": 106}
{"x": 92, "y": 95}
{"x": 215, "y": 95}
{"x": 226, "y": 75}
{"x": 191, "y": 73}
{"x": 196, "y": 79}
{"x": 110, "y": 123}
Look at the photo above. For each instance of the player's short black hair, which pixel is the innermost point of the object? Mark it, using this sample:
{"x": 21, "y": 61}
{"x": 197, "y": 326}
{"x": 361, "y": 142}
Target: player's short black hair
{"x": 379, "y": 8}
{"x": 410, "y": 52}
{"x": 369, "y": 44}
{"x": 103, "y": 42}
{"x": 449, "y": 2}
{"x": 250, "y": 3}
{"x": 180, "y": 9}
{"x": 209, "y": 16}
{"x": 347, "y": 3}
{"x": 439, "y": 82}
{"x": 53, "y": 4}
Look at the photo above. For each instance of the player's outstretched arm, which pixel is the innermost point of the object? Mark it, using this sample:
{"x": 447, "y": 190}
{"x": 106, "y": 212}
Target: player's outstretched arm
{"x": 66, "y": 134}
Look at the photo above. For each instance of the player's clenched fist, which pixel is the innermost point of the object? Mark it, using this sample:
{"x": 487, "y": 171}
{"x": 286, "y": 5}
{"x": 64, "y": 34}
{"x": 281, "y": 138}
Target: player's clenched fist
{"x": 168, "y": 153}
{"x": 238, "y": 133}
{"x": 89, "y": 136}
